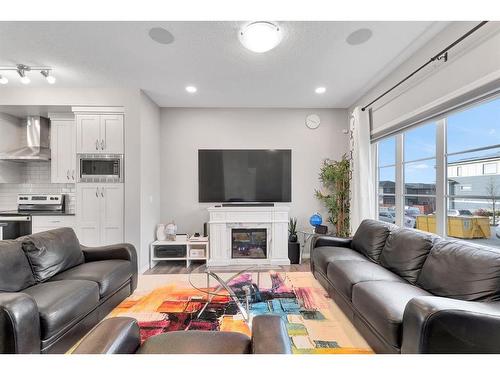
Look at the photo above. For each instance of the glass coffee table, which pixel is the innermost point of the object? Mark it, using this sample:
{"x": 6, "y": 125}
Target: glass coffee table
{"x": 217, "y": 282}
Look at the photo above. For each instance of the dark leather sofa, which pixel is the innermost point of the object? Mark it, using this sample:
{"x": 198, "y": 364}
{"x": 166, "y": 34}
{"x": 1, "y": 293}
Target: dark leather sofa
{"x": 121, "y": 336}
{"x": 408, "y": 291}
{"x": 53, "y": 290}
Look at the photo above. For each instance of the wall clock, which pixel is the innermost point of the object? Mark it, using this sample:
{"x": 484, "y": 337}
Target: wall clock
{"x": 313, "y": 121}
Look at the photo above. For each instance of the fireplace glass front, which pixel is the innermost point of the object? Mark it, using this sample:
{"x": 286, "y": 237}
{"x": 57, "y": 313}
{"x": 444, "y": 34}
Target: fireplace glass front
{"x": 249, "y": 243}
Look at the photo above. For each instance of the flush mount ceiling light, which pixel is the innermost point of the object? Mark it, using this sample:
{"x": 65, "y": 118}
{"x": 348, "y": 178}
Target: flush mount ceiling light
{"x": 320, "y": 90}
{"x": 191, "y": 89}
{"x": 260, "y": 36}
{"x": 23, "y": 70}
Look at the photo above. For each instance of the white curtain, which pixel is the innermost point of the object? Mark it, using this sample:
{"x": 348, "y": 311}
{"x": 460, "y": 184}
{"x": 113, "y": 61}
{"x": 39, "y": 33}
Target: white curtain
{"x": 362, "y": 188}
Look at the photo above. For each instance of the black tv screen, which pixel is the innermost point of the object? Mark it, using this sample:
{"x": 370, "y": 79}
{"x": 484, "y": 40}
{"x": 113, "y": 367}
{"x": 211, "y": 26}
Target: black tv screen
{"x": 244, "y": 176}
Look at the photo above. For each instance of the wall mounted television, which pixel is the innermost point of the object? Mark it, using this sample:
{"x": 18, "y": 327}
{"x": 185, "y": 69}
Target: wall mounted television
{"x": 244, "y": 176}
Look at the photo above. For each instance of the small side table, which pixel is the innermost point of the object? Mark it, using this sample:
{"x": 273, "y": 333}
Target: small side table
{"x": 307, "y": 235}
{"x": 191, "y": 250}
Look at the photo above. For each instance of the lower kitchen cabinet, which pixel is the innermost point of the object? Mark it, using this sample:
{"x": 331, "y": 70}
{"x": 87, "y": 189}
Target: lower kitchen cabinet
{"x": 99, "y": 210}
{"x": 43, "y": 223}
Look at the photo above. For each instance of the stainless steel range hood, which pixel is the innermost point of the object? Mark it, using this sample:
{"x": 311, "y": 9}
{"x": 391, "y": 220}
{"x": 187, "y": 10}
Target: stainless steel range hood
{"x": 37, "y": 147}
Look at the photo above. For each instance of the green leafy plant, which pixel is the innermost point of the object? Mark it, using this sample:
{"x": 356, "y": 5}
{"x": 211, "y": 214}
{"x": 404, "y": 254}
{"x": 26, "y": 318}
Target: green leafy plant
{"x": 335, "y": 177}
{"x": 292, "y": 229}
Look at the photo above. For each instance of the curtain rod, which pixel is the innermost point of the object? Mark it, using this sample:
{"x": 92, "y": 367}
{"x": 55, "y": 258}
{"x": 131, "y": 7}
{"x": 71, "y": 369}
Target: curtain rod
{"x": 442, "y": 55}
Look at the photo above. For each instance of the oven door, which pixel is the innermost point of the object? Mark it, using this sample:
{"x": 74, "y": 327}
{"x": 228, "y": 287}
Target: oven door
{"x": 13, "y": 227}
{"x": 100, "y": 168}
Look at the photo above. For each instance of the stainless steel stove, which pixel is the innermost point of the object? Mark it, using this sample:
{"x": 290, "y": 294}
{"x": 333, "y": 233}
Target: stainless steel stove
{"x": 17, "y": 223}
{"x": 29, "y": 203}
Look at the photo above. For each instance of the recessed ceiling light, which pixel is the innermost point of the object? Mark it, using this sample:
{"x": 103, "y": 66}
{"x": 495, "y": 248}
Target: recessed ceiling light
{"x": 320, "y": 90}
{"x": 3, "y": 80}
{"x": 161, "y": 35}
{"x": 191, "y": 89}
{"x": 260, "y": 36}
{"x": 359, "y": 36}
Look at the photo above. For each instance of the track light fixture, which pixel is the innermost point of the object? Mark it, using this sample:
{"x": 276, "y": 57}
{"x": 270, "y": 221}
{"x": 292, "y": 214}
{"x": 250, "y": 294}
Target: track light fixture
{"x": 50, "y": 79}
{"x": 23, "y": 70}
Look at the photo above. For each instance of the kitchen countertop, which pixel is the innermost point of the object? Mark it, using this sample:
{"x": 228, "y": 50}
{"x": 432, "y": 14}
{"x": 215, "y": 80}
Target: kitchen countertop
{"x": 46, "y": 213}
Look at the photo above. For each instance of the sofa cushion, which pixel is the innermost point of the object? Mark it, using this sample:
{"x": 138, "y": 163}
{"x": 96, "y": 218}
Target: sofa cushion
{"x": 60, "y": 303}
{"x": 344, "y": 274}
{"x": 405, "y": 252}
{"x": 457, "y": 269}
{"x": 382, "y": 305}
{"x": 52, "y": 252}
{"x": 109, "y": 274}
{"x": 324, "y": 255}
{"x": 15, "y": 271}
{"x": 370, "y": 238}
{"x": 197, "y": 342}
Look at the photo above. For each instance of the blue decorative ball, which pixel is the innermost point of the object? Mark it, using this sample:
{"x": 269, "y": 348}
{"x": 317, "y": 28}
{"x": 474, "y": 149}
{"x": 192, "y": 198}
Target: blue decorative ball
{"x": 315, "y": 220}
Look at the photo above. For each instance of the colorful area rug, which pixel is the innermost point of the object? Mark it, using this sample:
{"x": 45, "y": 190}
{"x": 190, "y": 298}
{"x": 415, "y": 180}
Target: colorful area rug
{"x": 315, "y": 325}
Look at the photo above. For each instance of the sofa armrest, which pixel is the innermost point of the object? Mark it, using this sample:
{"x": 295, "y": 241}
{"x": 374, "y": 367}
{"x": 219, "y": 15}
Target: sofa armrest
{"x": 269, "y": 335}
{"x": 19, "y": 324}
{"x": 123, "y": 251}
{"x": 331, "y": 241}
{"x": 112, "y": 336}
{"x": 445, "y": 325}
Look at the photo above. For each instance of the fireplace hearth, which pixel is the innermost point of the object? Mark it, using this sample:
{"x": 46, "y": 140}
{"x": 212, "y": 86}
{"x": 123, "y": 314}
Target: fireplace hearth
{"x": 249, "y": 243}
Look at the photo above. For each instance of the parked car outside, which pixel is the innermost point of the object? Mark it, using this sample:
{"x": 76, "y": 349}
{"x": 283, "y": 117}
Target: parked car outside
{"x": 459, "y": 213}
{"x": 390, "y": 217}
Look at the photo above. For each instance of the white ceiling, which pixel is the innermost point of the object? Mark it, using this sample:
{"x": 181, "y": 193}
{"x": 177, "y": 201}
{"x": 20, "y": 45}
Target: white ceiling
{"x": 209, "y": 56}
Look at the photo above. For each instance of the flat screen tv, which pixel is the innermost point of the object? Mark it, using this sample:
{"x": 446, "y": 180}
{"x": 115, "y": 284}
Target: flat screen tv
{"x": 244, "y": 176}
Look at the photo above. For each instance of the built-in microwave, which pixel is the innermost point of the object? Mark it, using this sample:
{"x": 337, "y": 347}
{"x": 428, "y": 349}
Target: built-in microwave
{"x": 100, "y": 168}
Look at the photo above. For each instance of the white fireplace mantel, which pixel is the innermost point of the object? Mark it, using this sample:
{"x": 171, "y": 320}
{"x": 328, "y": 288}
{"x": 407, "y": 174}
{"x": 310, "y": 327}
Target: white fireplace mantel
{"x": 225, "y": 218}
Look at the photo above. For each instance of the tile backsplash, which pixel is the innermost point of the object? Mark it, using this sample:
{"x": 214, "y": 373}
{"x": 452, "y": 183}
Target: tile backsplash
{"x": 35, "y": 177}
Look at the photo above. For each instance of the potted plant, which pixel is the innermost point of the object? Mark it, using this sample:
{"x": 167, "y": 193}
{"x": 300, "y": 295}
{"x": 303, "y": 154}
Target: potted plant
{"x": 293, "y": 245}
{"x": 335, "y": 176}
{"x": 292, "y": 230}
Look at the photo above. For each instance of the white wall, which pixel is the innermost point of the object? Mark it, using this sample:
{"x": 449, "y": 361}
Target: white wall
{"x": 150, "y": 177}
{"x": 185, "y": 130}
{"x": 474, "y": 62}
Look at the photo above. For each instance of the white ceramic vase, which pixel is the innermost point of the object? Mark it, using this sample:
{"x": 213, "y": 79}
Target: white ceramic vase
{"x": 160, "y": 232}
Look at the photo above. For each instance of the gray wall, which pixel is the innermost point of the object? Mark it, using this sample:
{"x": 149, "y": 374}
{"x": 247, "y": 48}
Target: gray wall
{"x": 150, "y": 178}
{"x": 185, "y": 130}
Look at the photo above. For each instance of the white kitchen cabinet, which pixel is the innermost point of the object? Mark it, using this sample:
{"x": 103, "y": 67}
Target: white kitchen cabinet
{"x": 100, "y": 213}
{"x": 63, "y": 151}
{"x": 99, "y": 134}
{"x": 43, "y": 223}
{"x": 112, "y": 134}
{"x": 88, "y": 133}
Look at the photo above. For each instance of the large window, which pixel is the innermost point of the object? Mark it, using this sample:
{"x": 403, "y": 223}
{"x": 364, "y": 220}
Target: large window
{"x": 467, "y": 146}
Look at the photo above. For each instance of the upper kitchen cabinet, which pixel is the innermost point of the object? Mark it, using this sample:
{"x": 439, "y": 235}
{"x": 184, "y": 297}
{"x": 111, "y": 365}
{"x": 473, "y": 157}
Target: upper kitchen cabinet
{"x": 63, "y": 151}
{"x": 99, "y": 133}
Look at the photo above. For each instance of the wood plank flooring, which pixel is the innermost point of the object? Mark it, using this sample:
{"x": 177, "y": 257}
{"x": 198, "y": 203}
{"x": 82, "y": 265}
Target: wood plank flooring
{"x": 174, "y": 267}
